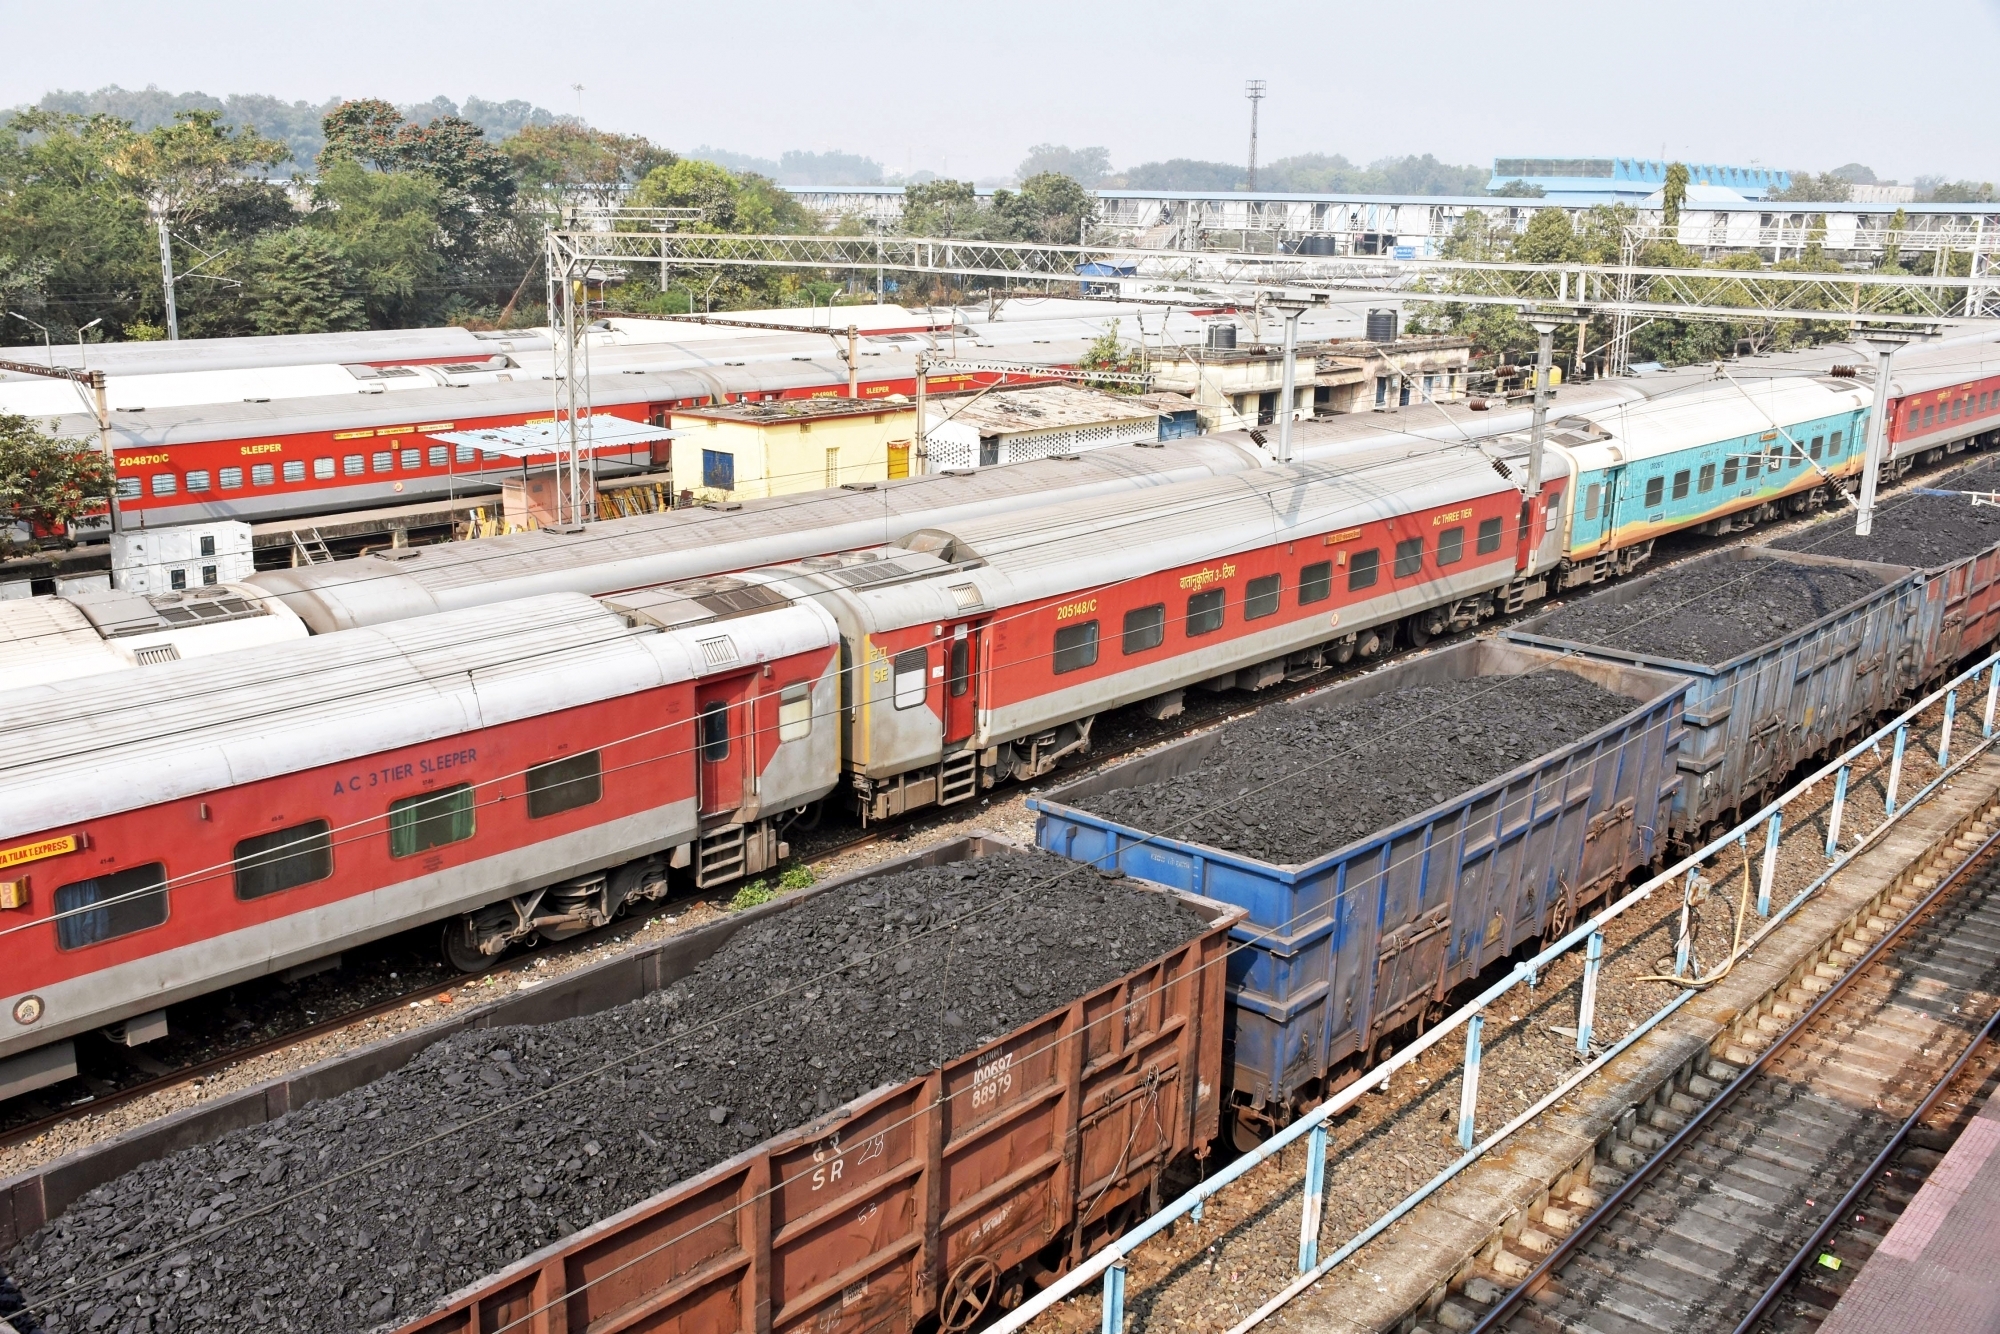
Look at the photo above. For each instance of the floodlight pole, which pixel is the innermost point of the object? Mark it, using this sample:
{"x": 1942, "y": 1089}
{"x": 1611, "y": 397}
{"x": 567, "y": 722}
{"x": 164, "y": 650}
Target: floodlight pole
{"x": 1291, "y": 307}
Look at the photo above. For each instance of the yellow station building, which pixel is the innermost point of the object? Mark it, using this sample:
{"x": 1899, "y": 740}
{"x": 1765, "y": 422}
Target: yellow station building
{"x": 742, "y": 451}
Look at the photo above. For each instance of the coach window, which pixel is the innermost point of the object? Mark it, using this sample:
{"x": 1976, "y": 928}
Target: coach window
{"x": 714, "y": 742}
{"x": 913, "y": 670}
{"x": 958, "y": 672}
{"x": 1705, "y": 480}
{"x": 1916, "y": 415}
{"x": 1797, "y": 455}
{"x": 1591, "y": 496}
{"x": 1451, "y": 546}
{"x": 165, "y": 484}
{"x": 381, "y": 461}
{"x": 284, "y": 859}
{"x": 439, "y": 456}
{"x": 418, "y": 824}
{"x": 1363, "y": 566}
{"x": 467, "y": 454}
{"x": 1316, "y": 583}
{"x": 795, "y": 712}
{"x": 1833, "y": 444}
{"x": 231, "y": 478}
{"x": 129, "y": 488}
{"x": 1409, "y": 557}
{"x": 107, "y": 906}
{"x": 198, "y": 479}
{"x": 1729, "y": 471}
{"x": 1930, "y": 414}
{"x": 1260, "y": 597}
{"x": 565, "y": 784}
{"x": 1489, "y": 536}
{"x": 1145, "y": 628}
{"x": 413, "y": 458}
{"x": 353, "y": 465}
{"x": 1656, "y": 490}
{"x": 1818, "y": 446}
{"x": 1752, "y": 464}
{"x": 1076, "y": 647}
{"x": 263, "y": 474}
{"x": 322, "y": 469}
{"x": 295, "y": 470}
{"x": 1204, "y": 612}
{"x": 1681, "y": 484}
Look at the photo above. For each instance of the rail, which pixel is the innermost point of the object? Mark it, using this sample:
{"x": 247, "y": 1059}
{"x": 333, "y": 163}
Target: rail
{"x": 1108, "y": 1264}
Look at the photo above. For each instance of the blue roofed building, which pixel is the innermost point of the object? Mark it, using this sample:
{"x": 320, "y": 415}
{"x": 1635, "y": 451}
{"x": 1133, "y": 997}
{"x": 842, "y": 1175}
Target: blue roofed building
{"x": 1626, "y": 180}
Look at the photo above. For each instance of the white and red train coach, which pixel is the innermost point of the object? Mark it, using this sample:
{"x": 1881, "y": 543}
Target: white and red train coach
{"x": 515, "y": 771}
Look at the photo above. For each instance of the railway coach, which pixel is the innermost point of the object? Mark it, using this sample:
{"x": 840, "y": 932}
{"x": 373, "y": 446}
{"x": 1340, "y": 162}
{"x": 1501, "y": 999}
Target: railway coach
{"x": 514, "y": 772}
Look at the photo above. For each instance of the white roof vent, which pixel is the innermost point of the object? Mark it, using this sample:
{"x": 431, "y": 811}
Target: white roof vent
{"x": 967, "y": 595}
{"x": 718, "y": 652}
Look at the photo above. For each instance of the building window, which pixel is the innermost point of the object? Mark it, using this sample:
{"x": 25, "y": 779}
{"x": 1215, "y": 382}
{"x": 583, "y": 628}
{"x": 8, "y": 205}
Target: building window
{"x": 295, "y": 470}
{"x": 1656, "y": 490}
{"x": 1260, "y": 597}
{"x": 1705, "y": 480}
{"x": 1204, "y": 612}
{"x": 795, "y": 713}
{"x": 208, "y": 579}
{"x": 284, "y": 859}
{"x": 1316, "y": 583}
{"x": 263, "y": 474}
{"x": 353, "y": 465}
{"x": 1451, "y": 546}
{"x": 440, "y": 456}
{"x": 108, "y": 906}
{"x": 1409, "y": 557}
{"x": 418, "y": 824}
{"x": 563, "y": 785}
{"x": 198, "y": 480}
{"x": 1381, "y": 391}
{"x": 1362, "y": 567}
{"x": 912, "y": 677}
{"x": 381, "y": 461}
{"x": 165, "y": 484}
{"x": 832, "y": 473}
{"x": 1145, "y": 628}
{"x": 715, "y": 732}
{"x": 1489, "y": 536}
{"x": 177, "y": 579}
{"x": 1681, "y": 484}
{"x": 718, "y": 470}
{"x": 322, "y": 469}
{"x": 412, "y": 459}
{"x": 1076, "y": 647}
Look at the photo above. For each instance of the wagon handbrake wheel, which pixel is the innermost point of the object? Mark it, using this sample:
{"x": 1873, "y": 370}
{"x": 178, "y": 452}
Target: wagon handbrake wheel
{"x": 967, "y": 1294}
{"x": 1562, "y": 916}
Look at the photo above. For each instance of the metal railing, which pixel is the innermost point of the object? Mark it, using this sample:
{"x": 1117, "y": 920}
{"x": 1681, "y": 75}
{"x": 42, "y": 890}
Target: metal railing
{"x": 1108, "y": 1265}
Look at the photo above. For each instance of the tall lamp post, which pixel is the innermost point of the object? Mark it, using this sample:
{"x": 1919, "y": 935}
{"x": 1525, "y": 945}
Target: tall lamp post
{"x": 1884, "y": 344}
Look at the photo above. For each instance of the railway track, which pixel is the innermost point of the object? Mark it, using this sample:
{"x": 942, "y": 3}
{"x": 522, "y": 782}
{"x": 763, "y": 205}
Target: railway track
{"x": 1753, "y": 1163}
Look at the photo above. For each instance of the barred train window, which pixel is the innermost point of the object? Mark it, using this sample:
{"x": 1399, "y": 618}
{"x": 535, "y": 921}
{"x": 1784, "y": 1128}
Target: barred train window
{"x": 107, "y": 906}
{"x": 262, "y": 474}
{"x": 1145, "y": 628}
{"x": 352, "y": 465}
{"x": 418, "y": 824}
{"x": 295, "y": 470}
{"x": 283, "y": 859}
{"x": 565, "y": 784}
{"x": 232, "y": 478}
{"x": 1076, "y": 647}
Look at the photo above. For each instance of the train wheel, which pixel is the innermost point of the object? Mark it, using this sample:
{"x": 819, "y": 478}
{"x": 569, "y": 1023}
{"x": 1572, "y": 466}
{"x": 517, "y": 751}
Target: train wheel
{"x": 461, "y": 951}
{"x": 967, "y": 1294}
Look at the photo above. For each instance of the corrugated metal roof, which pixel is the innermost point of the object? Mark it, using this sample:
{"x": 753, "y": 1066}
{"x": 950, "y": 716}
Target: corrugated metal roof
{"x": 1040, "y": 408}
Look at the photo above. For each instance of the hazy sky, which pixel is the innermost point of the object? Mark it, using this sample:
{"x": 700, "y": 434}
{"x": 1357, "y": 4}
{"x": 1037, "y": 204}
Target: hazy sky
{"x": 964, "y": 87}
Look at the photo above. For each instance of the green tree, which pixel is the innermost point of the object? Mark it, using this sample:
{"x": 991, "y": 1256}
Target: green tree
{"x": 475, "y": 180}
{"x": 47, "y": 482}
{"x": 1049, "y": 207}
{"x": 1549, "y": 238}
{"x": 565, "y": 159}
{"x": 1085, "y": 166}
{"x": 692, "y": 183}
{"x": 388, "y": 229}
{"x": 183, "y": 167}
{"x": 1807, "y": 188}
{"x": 941, "y": 208}
{"x": 73, "y": 227}
{"x": 297, "y": 283}
{"x": 1110, "y": 353}
{"x": 1673, "y": 195}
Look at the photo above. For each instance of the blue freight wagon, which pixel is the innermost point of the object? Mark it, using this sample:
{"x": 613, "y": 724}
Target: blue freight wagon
{"x": 1753, "y": 719}
{"x": 1339, "y": 952}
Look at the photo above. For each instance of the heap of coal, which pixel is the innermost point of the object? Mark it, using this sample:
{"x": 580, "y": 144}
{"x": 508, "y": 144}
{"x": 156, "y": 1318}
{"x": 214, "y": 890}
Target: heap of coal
{"x": 1294, "y": 782}
{"x": 1916, "y": 527}
{"x": 366, "y": 1209}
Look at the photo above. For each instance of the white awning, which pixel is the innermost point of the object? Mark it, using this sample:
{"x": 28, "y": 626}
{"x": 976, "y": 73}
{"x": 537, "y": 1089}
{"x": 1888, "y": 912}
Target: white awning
{"x": 550, "y": 438}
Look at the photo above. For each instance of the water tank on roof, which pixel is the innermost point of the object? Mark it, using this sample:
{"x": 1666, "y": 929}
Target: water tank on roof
{"x": 1222, "y": 337}
{"x": 1381, "y": 326}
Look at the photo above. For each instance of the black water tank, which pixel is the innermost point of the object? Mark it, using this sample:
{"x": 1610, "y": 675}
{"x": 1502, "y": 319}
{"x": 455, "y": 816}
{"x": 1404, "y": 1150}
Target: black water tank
{"x": 1222, "y": 337}
{"x": 1381, "y": 326}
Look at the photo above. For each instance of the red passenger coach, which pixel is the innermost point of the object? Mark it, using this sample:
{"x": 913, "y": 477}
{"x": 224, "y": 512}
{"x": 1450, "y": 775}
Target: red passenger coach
{"x": 517, "y": 771}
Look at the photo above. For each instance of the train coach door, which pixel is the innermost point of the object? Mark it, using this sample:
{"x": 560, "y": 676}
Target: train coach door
{"x": 1607, "y": 530}
{"x": 725, "y": 744}
{"x": 961, "y": 682}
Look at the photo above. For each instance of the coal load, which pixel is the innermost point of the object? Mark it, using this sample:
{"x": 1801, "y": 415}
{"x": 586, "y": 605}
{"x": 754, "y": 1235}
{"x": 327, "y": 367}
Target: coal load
{"x": 1915, "y": 529}
{"x": 1292, "y": 783}
{"x": 1710, "y": 611}
{"x": 365, "y": 1210}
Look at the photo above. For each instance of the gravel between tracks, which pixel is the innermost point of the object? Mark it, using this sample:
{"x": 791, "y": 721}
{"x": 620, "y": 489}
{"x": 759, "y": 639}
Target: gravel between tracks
{"x": 1294, "y": 782}
{"x": 1709, "y": 611}
{"x": 861, "y": 986}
